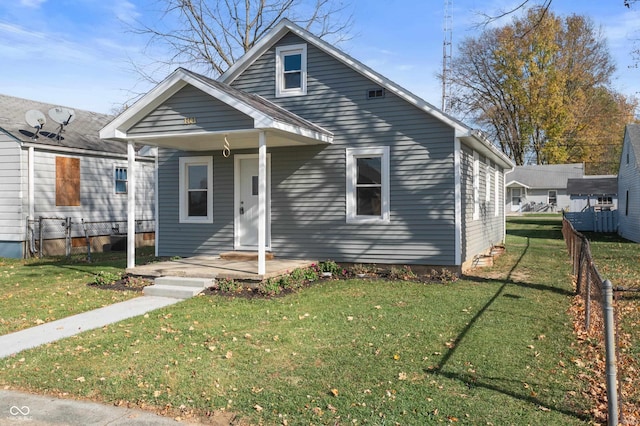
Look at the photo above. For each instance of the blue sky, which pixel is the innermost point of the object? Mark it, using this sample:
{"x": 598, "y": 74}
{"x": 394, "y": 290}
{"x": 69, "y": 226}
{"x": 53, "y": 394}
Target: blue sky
{"x": 77, "y": 53}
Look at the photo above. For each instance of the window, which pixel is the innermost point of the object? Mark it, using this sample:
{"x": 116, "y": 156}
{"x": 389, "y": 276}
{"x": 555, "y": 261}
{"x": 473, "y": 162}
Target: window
{"x": 476, "y": 186}
{"x": 291, "y": 70}
{"x": 605, "y": 201}
{"x": 375, "y": 93}
{"x": 121, "y": 180}
{"x": 67, "y": 181}
{"x": 368, "y": 184}
{"x": 552, "y": 198}
{"x": 196, "y": 189}
{"x": 487, "y": 186}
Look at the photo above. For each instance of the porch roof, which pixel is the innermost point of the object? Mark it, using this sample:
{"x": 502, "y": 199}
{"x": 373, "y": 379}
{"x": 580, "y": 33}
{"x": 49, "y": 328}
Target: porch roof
{"x": 282, "y": 126}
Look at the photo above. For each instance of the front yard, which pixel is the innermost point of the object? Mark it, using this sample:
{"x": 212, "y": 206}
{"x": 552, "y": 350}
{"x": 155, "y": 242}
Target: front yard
{"x": 495, "y": 347}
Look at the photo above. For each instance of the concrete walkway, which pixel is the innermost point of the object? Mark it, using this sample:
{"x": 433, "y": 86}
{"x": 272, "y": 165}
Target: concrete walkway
{"x": 19, "y": 408}
{"x": 66, "y": 327}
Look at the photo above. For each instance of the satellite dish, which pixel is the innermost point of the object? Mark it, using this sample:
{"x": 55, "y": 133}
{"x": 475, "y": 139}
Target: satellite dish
{"x": 35, "y": 119}
{"x": 61, "y": 115}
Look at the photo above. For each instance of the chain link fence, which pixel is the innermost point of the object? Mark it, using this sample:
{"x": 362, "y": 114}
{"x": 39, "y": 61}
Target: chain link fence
{"x": 66, "y": 236}
{"x": 600, "y": 319}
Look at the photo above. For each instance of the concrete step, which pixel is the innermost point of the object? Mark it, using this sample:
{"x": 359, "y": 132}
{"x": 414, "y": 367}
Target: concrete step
{"x": 184, "y": 282}
{"x": 244, "y": 255}
{"x": 175, "y": 291}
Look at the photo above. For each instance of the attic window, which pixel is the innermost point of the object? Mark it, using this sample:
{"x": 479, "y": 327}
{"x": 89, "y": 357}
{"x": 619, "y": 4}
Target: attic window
{"x": 291, "y": 70}
{"x": 375, "y": 93}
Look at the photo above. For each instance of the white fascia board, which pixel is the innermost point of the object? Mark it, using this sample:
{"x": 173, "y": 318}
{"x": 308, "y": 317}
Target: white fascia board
{"x": 308, "y": 133}
{"x": 80, "y": 152}
{"x": 516, "y": 183}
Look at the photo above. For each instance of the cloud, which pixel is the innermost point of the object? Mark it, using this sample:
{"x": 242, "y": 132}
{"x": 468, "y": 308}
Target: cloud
{"x": 34, "y": 4}
{"x": 125, "y": 11}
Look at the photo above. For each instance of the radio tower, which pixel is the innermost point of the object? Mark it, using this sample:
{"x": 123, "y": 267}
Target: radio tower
{"x": 446, "y": 53}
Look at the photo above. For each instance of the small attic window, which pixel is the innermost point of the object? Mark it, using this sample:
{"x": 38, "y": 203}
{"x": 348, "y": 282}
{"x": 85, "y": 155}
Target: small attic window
{"x": 291, "y": 70}
{"x": 375, "y": 93}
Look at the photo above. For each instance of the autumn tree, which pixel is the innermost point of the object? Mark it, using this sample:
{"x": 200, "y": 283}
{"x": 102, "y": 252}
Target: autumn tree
{"x": 210, "y": 35}
{"x": 541, "y": 87}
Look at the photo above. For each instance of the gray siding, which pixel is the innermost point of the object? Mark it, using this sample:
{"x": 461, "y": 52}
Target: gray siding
{"x": 629, "y": 192}
{"x": 98, "y": 200}
{"x": 210, "y": 115}
{"x": 480, "y": 234}
{"x": 12, "y": 223}
{"x": 187, "y": 239}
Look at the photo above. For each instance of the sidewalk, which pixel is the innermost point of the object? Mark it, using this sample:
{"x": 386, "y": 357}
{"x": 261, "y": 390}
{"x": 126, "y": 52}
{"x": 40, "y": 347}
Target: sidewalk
{"x": 66, "y": 327}
{"x": 19, "y": 408}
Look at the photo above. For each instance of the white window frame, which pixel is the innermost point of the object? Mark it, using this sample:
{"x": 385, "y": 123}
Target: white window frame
{"x": 476, "y": 185}
{"x": 281, "y": 52}
{"x": 487, "y": 186}
{"x": 116, "y": 180}
{"x": 185, "y": 162}
{"x": 352, "y": 176}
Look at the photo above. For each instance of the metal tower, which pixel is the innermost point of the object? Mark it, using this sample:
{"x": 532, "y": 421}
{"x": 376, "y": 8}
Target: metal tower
{"x": 446, "y": 53}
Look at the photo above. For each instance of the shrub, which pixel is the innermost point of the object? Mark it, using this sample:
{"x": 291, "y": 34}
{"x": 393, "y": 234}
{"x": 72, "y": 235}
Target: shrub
{"x": 228, "y": 285}
{"x": 402, "y": 273}
{"x": 270, "y": 286}
{"x": 106, "y": 278}
{"x": 444, "y": 276}
{"x": 330, "y": 266}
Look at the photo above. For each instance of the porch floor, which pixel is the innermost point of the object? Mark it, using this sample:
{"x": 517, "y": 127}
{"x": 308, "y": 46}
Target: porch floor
{"x": 217, "y": 268}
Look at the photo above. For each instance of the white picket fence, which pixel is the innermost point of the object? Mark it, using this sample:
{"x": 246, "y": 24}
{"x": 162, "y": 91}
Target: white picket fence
{"x": 594, "y": 221}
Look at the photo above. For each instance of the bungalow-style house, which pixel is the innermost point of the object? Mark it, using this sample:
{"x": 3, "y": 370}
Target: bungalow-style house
{"x": 302, "y": 151}
{"x": 598, "y": 192}
{"x": 629, "y": 185}
{"x": 63, "y": 173}
{"x": 540, "y": 188}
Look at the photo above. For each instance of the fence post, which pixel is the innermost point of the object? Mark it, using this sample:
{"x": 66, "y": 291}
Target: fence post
{"x": 40, "y": 236}
{"x": 587, "y": 303}
{"x": 68, "y": 236}
{"x": 86, "y": 236}
{"x": 609, "y": 337}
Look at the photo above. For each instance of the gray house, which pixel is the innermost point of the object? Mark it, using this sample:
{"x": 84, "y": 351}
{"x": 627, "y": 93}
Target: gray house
{"x": 629, "y": 185}
{"x": 540, "y": 188}
{"x": 598, "y": 192}
{"x": 63, "y": 172}
{"x": 301, "y": 150}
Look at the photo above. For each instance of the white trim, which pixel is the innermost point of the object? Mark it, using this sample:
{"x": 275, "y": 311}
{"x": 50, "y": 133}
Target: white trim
{"x": 131, "y": 206}
{"x": 31, "y": 184}
{"x": 281, "y": 52}
{"x": 496, "y": 190}
{"x": 236, "y": 201}
{"x": 351, "y": 175}
{"x": 262, "y": 202}
{"x": 155, "y": 200}
{"x": 80, "y": 151}
{"x": 457, "y": 195}
{"x": 183, "y": 192}
{"x": 487, "y": 185}
{"x": 115, "y": 180}
{"x": 476, "y": 185}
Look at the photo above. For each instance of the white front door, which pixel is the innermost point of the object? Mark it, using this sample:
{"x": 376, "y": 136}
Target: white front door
{"x": 246, "y": 202}
{"x": 516, "y": 199}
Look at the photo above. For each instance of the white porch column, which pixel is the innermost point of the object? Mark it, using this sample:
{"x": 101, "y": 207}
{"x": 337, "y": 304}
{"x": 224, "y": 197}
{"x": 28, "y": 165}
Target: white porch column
{"x": 131, "y": 205}
{"x": 31, "y": 176}
{"x": 262, "y": 202}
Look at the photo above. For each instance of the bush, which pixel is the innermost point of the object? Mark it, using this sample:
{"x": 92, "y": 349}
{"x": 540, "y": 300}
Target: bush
{"x": 402, "y": 273}
{"x": 106, "y": 278}
{"x": 228, "y": 286}
{"x": 270, "y": 287}
{"x": 330, "y": 266}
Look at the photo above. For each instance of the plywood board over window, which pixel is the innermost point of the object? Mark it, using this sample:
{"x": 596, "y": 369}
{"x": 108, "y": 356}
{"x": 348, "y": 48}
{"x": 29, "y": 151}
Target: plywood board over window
{"x": 67, "y": 181}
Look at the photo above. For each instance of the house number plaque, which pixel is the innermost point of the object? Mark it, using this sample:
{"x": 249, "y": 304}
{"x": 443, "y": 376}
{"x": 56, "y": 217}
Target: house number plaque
{"x": 189, "y": 120}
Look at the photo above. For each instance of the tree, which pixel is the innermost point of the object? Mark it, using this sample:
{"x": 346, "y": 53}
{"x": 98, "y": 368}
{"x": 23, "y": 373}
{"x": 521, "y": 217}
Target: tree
{"x": 210, "y": 35}
{"x": 540, "y": 87}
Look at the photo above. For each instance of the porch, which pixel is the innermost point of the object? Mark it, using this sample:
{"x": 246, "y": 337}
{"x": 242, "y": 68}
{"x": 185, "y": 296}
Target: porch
{"x": 215, "y": 267}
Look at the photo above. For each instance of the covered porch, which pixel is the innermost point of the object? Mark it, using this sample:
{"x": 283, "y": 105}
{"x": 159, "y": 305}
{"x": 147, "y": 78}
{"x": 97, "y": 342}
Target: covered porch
{"x": 195, "y": 114}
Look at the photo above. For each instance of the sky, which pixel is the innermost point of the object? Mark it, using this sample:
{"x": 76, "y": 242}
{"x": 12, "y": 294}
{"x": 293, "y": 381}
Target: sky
{"x": 80, "y": 54}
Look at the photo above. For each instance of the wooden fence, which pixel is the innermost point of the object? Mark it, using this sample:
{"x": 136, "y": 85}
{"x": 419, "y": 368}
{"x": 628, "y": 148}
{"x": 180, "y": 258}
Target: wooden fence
{"x": 594, "y": 221}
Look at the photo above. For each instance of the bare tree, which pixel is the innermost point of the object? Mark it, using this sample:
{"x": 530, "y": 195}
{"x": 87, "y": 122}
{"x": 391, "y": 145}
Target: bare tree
{"x": 210, "y": 35}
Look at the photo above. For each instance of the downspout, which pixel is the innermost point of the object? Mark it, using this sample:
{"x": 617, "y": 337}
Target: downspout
{"x": 458, "y": 201}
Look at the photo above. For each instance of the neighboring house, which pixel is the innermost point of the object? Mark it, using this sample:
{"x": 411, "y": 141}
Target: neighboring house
{"x": 303, "y": 151}
{"x": 599, "y": 193}
{"x": 540, "y": 188}
{"x": 62, "y": 174}
{"x": 629, "y": 185}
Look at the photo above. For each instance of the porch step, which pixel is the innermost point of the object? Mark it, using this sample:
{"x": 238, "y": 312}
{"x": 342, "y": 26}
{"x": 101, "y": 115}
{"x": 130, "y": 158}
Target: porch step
{"x": 244, "y": 255}
{"x": 177, "y": 287}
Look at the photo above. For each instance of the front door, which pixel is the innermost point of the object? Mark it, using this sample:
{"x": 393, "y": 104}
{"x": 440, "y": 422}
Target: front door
{"x": 516, "y": 199}
{"x": 246, "y": 202}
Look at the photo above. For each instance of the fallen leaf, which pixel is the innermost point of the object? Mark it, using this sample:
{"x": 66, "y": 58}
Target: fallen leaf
{"x": 257, "y": 408}
{"x": 228, "y": 355}
{"x": 80, "y": 379}
{"x": 334, "y": 392}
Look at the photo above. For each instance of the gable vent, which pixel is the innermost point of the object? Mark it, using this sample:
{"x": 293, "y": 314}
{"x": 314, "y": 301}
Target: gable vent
{"x": 375, "y": 93}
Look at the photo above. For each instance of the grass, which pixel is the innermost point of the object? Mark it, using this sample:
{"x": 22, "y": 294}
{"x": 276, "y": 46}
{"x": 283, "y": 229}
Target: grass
{"x": 36, "y": 291}
{"x": 492, "y": 348}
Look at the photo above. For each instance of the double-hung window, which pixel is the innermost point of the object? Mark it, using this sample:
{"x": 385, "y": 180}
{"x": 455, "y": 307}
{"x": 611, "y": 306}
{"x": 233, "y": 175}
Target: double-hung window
{"x": 291, "y": 70}
{"x": 368, "y": 184}
{"x": 120, "y": 176}
{"x": 196, "y": 189}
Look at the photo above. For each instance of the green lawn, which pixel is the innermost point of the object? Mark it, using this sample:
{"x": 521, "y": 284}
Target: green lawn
{"x": 492, "y": 348}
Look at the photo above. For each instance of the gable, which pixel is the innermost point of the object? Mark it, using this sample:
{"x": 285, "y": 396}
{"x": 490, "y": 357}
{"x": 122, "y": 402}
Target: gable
{"x": 191, "y": 110}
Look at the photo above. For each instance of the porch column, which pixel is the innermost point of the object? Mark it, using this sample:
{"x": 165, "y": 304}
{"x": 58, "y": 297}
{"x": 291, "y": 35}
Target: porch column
{"x": 262, "y": 202}
{"x": 131, "y": 205}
